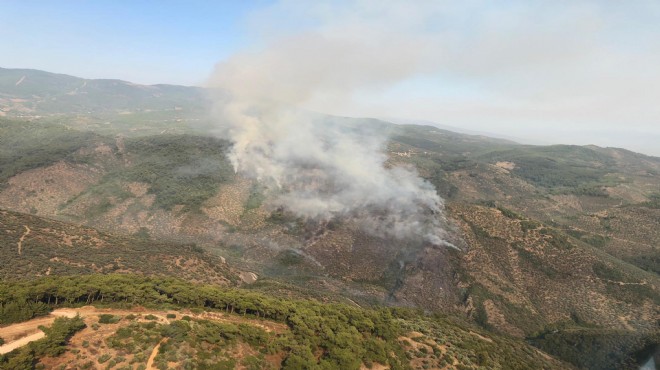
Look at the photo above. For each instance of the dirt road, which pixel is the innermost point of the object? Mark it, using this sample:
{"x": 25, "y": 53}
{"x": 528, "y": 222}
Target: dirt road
{"x": 18, "y": 335}
{"x": 21, "y": 342}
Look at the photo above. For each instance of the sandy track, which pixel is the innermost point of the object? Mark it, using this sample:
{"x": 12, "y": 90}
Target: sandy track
{"x": 16, "y": 331}
{"x": 20, "y": 241}
{"x": 18, "y": 335}
{"x": 21, "y": 342}
{"x": 152, "y": 357}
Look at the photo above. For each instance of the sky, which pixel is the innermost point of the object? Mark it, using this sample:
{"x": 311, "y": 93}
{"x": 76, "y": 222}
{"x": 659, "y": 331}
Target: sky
{"x": 573, "y": 72}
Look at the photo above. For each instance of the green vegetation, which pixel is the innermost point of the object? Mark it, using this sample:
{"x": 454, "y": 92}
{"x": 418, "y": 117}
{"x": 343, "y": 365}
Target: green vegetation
{"x": 593, "y": 191}
{"x": 87, "y": 252}
{"x": 623, "y": 287}
{"x": 557, "y": 166}
{"x": 108, "y": 319}
{"x": 180, "y": 169}
{"x": 598, "y": 349}
{"x": 473, "y": 348}
{"x": 13, "y": 311}
{"x": 256, "y": 198}
{"x": 104, "y": 358}
{"x": 510, "y": 214}
{"x": 313, "y": 334}
{"x": 197, "y": 343}
{"x": 537, "y": 263}
{"x": 345, "y": 335}
{"x": 653, "y": 202}
{"x": 604, "y": 271}
{"x": 28, "y": 145}
{"x": 649, "y": 262}
{"x": 597, "y": 240}
{"x": 557, "y": 238}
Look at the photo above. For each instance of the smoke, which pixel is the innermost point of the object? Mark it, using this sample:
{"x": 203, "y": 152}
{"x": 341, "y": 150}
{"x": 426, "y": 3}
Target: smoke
{"x": 316, "y": 166}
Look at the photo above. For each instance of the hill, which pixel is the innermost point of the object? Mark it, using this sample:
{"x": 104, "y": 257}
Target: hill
{"x": 108, "y": 106}
{"x": 559, "y": 244}
{"x": 28, "y": 92}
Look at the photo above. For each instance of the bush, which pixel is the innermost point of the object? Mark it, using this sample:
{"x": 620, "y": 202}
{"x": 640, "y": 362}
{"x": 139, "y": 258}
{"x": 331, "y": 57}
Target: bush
{"x": 108, "y": 319}
{"x": 104, "y": 358}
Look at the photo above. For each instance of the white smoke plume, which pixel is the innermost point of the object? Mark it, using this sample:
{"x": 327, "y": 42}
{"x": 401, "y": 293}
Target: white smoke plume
{"x": 319, "y": 167}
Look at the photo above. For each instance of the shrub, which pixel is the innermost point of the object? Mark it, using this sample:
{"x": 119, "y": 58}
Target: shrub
{"x": 108, "y": 319}
{"x": 103, "y": 358}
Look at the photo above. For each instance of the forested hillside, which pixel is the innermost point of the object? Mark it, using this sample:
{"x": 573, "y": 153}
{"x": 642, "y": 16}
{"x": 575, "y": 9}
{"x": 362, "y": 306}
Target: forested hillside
{"x": 111, "y": 204}
{"x": 314, "y": 334}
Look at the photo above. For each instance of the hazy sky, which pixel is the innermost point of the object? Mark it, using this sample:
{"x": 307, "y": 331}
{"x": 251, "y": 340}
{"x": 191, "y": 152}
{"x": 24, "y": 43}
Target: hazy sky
{"x": 583, "y": 72}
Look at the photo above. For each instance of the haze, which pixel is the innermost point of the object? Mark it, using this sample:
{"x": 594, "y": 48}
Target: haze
{"x": 579, "y": 72}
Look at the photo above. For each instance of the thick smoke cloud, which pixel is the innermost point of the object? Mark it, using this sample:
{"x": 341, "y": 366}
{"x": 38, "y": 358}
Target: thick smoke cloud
{"x": 319, "y": 167}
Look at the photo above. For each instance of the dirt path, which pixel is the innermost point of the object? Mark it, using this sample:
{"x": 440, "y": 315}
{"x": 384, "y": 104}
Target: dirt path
{"x": 621, "y": 282}
{"x": 20, "y": 241}
{"x": 16, "y": 331}
{"x": 18, "y": 335}
{"x": 480, "y": 336}
{"x": 21, "y": 342}
{"x": 150, "y": 362}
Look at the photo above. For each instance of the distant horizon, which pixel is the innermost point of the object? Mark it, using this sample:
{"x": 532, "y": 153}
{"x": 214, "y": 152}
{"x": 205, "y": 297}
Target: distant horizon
{"x": 395, "y": 120}
{"x": 572, "y": 73}
{"x": 402, "y": 121}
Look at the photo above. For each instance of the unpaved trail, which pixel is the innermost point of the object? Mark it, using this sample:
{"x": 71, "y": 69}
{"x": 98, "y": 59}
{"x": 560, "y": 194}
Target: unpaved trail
{"x": 621, "y": 282}
{"x": 18, "y": 335}
{"x": 480, "y": 336}
{"x": 20, "y": 241}
{"x": 150, "y": 362}
{"x": 21, "y": 342}
{"x": 20, "y": 81}
{"x": 16, "y": 331}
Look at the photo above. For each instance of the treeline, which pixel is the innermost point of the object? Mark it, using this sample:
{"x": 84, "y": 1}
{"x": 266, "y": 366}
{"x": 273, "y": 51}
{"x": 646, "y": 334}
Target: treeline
{"x": 345, "y": 336}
